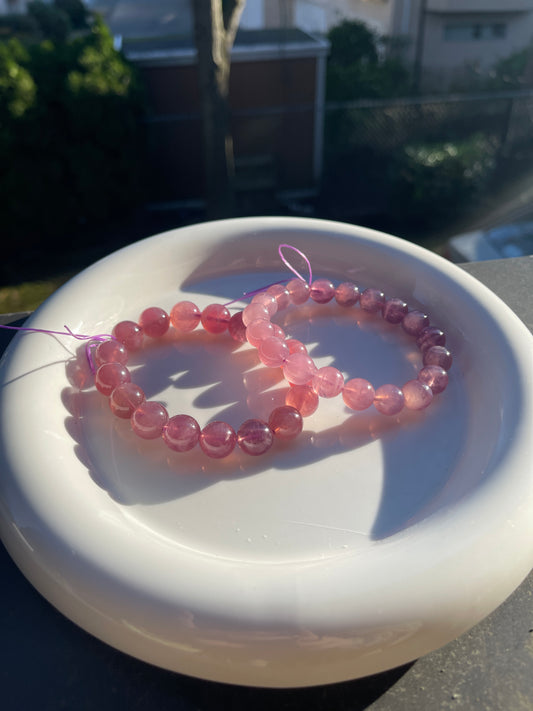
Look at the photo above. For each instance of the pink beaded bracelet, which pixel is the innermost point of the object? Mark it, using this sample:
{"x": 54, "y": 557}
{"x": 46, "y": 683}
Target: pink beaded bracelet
{"x": 310, "y": 382}
{"x": 150, "y": 419}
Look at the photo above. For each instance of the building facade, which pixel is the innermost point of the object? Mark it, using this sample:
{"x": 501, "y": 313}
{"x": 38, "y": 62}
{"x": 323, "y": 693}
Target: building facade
{"x": 441, "y": 40}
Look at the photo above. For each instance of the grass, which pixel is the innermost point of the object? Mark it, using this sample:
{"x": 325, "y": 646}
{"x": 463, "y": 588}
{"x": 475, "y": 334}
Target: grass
{"x": 30, "y": 294}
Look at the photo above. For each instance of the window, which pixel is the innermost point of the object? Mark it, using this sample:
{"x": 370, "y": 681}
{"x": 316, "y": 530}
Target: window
{"x": 474, "y": 31}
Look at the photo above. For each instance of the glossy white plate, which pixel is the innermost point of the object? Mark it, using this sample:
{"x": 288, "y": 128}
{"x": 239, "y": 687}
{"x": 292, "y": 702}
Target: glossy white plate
{"x": 363, "y": 544}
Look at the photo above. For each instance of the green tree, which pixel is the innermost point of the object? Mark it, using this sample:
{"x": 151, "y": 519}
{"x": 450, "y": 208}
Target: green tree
{"x": 75, "y": 11}
{"x": 358, "y": 66}
{"x": 52, "y": 21}
{"x": 70, "y": 138}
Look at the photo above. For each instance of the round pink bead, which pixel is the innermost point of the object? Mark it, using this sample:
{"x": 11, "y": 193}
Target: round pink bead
{"x": 266, "y": 300}
{"x": 281, "y": 295}
{"x": 215, "y": 318}
{"x": 414, "y": 321}
{"x": 434, "y": 376}
{"x": 394, "y": 310}
{"x": 285, "y": 422}
{"x": 299, "y": 368}
{"x": 298, "y": 291}
{"x": 372, "y": 300}
{"x": 417, "y": 395}
{"x": 278, "y": 332}
{"x": 148, "y": 420}
{"x": 154, "y": 322}
{"x": 389, "y": 400}
{"x": 109, "y": 376}
{"x": 254, "y": 312}
{"x": 296, "y": 346}
{"x": 430, "y": 336}
{"x": 125, "y": 399}
{"x": 328, "y": 382}
{"x": 255, "y": 437}
{"x": 273, "y": 352}
{"x": 303, "y": 398}
{"x": 236, "y": 328}
{"x": 438, "y": 355}
{"x": 130, "y": 334}
{"x": 218, "y": 439}
{"x": 322, "y": 291}
{"x": 347, "y": 294}
{"x": 358, "y": 394}
{"x": 258, "y": 331}
{"x": 181, "y": 433}
{"x": 185, "y": 316}
{"x": 111, "y": 352}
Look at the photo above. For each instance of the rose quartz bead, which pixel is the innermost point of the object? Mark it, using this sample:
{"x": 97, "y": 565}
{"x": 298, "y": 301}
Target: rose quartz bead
{"x": 372, "y": 300}
{"x": 154, "y": 322}
{"x": 254, "y": 312}
{"x": 181, "y": 433}
{"x": 281, "y": 295}
{"x": 236, "y": 328}
{"x": 285, "y": 422}
{"x": 434, "y": 376}
{"x": 255, "y": 437}
{"x": 273, "y": 352}
{"x": 299, "y": 368}
{"x": 258, "y": 331}
{"x": 125, "y": 399}
{"x": 130, "y": 334}
{"x": 327, "y": 382}
{"x": 358, "y": 394}
{"x": 417, "y": 395}
{"x": 389, "y": 400}
{"x": 266, "y": 300}
{"x": 148, "y": 420}
{"x": 110, "y": 352}
{"x": 347, "y": 294}
{"x": 322, "y": 291}
{"x": 215, "y": 318}
{"x": 185, "y": 316}
{"x": 296, "y": 346}
{"x": 278, "y": 332}
{"x": 394, "y": 310}
{"x": 430, "y": 336}
{"x": 303, "y": 398}
{"x": 298, "y": 290}
{"x": 109, "y": 376}
{"x": 438, "y": 355}
{"x": 414, "y": 321}
{"x": 218, "y": 439}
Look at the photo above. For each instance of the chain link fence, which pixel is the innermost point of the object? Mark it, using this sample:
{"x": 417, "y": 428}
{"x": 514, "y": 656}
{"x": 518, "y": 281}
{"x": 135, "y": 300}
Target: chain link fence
{"x": 421, "y": 161}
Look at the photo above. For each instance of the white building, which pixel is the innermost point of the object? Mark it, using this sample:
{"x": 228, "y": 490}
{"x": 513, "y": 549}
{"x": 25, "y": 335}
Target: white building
{"x": 441, "y": 38}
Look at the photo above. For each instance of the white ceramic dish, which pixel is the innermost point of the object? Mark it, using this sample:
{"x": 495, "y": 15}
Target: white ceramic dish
{"x": 365, "y": 543}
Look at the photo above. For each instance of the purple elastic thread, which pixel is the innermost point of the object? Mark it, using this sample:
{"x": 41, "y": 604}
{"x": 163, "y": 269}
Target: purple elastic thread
{"x": 67, "y": 332}
{"x": 289, "y": 266}
{"x": 286, "y": 262}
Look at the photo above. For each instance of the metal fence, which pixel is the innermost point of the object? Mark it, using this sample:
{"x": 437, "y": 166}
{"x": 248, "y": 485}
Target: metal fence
{"x": 385, "y": 124}
{"x": 364, "y": 144}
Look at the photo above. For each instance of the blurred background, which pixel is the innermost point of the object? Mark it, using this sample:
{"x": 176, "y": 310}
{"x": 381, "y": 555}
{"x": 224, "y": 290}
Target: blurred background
{"x": 414, "y": 117}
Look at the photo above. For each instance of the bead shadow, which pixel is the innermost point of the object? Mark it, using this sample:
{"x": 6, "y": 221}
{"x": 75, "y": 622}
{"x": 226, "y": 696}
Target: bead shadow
{"x": 207, "y": 372}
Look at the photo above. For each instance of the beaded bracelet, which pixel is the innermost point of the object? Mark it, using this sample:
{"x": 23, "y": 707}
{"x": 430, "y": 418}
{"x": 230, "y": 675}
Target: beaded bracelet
{"x": 311, "y": 382}
{"x": 150, "y": 419}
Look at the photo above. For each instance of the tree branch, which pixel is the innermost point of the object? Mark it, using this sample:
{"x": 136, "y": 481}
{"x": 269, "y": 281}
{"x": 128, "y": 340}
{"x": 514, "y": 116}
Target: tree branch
{"x": 232, "y": 11}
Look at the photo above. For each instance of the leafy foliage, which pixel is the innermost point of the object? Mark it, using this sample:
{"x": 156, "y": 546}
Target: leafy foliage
{"x": 510, "y": 72}
{"x": 430, "y": 180}
{"x": 52, "y": 22}
{"x": 75, "y": 11}
{"x": 69, "y": 136}
{"x": 358, "y": 67}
